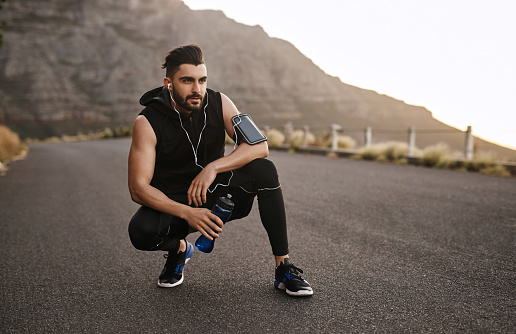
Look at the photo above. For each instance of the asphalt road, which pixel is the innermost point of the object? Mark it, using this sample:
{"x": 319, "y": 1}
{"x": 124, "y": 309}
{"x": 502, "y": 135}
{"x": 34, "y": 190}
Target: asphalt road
{"x": 386, "y": 248}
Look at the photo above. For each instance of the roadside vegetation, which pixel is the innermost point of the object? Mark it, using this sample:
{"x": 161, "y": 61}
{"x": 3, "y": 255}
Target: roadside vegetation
{"x": 394, "y": 152}
{"x": 435, "y": 156}
{"x": 11, "y": 147}
{"x": 10, "y": 144}
{"x": 107, "y": 133}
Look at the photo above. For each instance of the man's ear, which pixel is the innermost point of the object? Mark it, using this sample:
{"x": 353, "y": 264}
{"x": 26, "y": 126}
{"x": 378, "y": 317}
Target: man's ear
{"x": 167, "y": 82}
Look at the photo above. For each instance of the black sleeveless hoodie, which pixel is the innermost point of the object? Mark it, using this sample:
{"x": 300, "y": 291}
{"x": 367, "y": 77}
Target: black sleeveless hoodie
{"x": 182, "y": 139}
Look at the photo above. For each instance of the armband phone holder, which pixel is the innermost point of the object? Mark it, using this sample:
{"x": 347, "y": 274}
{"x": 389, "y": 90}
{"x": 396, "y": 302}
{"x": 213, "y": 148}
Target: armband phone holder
{"x": 246, "y": 130}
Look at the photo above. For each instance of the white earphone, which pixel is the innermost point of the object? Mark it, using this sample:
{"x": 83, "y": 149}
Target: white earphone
{"x": 195, "y": 149}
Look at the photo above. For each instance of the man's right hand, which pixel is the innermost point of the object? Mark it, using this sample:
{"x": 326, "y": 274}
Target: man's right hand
{"x": 205, "y": 222}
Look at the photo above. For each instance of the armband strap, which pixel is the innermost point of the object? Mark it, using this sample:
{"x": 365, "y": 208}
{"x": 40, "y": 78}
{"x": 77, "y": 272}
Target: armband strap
{"x": 246, "y": 130}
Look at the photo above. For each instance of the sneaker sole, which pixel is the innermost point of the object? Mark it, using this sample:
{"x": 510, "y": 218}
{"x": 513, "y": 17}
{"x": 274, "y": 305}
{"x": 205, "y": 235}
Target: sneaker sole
{"x": 299, "y": 293}
{"x": 168, "y": 285}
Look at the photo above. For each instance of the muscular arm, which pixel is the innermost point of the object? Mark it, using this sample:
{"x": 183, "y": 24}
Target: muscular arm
{"x": 241, "y": 156}
{"x": 142, "y": 155}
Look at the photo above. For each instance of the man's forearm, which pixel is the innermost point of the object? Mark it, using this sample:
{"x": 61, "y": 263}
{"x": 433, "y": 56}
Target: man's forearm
{"x": 240, "y": 157}
{"x": 153, "y": 198}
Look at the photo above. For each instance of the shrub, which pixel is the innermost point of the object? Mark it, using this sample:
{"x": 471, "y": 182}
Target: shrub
{"x": 486, "y": 164}
{"x": 390, "y": 151}
{"x": 370, "y": 153}
{"x": 108, "y": 133}
{"x": 395, "y": 152}
{"x": 295, "y": 140}
{"x": 343, "y": 142}
{"x": 10, "y": 144}
{"x": 323, "y": 140}
{"x": 496, "y": 170}
{"x": 275, "y": 138}
{"x": 479, "y": 162}
{"x": 437, "y": 156}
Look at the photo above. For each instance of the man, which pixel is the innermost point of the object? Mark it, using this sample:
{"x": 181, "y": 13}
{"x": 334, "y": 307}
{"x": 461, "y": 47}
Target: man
{"x": 177, "y": 170}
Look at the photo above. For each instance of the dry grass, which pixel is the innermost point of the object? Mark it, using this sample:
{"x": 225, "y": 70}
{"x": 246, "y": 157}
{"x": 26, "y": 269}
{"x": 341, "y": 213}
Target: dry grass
{"x": 394, "y": 152}
{"x": 479, "y": 162}
{"x": 439, "y": 156}
{"x": 107, "y": 133}
{"x": 486, "y": 164}
{"x": 10, "y": 144}
{"x": 295, "y": 140}
{"x": 343, "y": 142}
{"x": 496, "y": 170}
{"x": 275, "y": 138}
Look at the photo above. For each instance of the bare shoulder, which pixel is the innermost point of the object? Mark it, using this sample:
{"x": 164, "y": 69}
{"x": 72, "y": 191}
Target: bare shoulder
{"x": 143, "y": 132}
{"x": 228, "y": 107}
{"x": 228, "y": 111}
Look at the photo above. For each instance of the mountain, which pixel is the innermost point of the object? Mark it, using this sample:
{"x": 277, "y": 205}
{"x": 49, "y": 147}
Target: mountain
{"x": 69, "y": 66}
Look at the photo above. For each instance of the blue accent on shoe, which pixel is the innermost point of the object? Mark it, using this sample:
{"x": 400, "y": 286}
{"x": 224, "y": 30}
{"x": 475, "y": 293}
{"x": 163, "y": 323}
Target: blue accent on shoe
{"x": 189, "y": 250}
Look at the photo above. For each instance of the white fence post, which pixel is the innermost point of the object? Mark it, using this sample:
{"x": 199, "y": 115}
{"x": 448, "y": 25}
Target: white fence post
{"x": 335, "y": 128}
{"x": 305, "y": 136}
{"x": 468, "y": 151}
{"x": 368, "y": 137}
{"x": 411, "y": 141}
{"x": 289, "y": 128}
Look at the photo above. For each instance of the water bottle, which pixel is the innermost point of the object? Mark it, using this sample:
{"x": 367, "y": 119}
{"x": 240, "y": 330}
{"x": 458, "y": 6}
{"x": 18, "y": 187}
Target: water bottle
{"x": 223, "y": 209}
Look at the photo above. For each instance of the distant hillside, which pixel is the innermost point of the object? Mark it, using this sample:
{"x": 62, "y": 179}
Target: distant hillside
{"x": 69, "y": 66}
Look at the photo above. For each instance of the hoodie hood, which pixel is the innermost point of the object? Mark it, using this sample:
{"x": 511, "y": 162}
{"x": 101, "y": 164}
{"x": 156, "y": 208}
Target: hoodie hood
{"x": 158, "y": 98}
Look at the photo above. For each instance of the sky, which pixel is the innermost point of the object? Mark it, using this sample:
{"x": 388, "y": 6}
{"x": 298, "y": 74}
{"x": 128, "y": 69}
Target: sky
{"x": 454, "y": 57}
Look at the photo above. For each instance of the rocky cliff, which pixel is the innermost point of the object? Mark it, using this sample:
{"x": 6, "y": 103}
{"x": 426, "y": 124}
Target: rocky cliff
{"x": 69, "y": 66}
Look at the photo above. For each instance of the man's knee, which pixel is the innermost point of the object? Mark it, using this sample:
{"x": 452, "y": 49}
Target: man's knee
{"x": 145, "y": 229}
{"x": 151, "y": 230}
{"x": 264, "y": 172}
{"x": 142, "y": 230}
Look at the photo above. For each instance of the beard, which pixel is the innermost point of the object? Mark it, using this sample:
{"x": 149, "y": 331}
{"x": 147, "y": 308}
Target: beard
{"x": 183, "y": 102}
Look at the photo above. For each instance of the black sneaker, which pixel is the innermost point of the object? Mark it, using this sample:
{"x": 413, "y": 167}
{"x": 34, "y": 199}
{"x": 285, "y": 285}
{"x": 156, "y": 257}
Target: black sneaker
{"x": 288, "y": 279}
{"x": 172, "y": 274}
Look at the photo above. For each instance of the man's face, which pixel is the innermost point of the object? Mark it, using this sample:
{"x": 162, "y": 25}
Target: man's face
{"x": 189, "y": 87}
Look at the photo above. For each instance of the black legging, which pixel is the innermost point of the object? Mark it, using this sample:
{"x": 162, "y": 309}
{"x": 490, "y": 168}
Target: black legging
{"x": 153, "y": 230}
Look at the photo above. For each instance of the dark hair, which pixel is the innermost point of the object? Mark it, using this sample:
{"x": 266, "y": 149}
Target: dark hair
{"x": 188, "y": 54}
